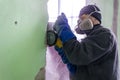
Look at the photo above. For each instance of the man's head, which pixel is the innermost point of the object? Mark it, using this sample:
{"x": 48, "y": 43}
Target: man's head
{"x": 89, "y": 16}
{"x": 91, "y": 11}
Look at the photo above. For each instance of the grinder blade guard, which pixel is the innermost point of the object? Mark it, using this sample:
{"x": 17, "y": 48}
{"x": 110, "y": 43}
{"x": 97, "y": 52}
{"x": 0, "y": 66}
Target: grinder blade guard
{"x": 51, "y": 35}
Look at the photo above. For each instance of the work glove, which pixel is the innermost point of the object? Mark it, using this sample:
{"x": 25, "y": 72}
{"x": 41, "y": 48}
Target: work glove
{"x": 64, "y": 33}
{"x": 60, "y": 22}
{"x": 72, "y": 68}
{"x": 63, "y": 29}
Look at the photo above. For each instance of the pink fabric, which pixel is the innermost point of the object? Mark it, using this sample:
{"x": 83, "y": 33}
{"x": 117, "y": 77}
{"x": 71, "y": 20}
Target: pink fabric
{"x": 55, "y": 68}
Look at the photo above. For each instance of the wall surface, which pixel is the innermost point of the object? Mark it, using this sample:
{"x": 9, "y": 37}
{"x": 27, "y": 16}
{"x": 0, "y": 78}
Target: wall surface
{"x": 118, "y": 30}
{"x": 22, "y": 38}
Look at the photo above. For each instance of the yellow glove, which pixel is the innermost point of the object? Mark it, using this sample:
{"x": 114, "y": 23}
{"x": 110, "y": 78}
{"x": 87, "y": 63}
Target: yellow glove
{"x": 59, "y": 43}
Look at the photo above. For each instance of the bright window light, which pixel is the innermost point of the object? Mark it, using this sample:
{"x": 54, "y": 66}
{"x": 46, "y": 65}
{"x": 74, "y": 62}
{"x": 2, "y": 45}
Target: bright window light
{"x": 70, "y": 7}
{"x": 52, "y": 10}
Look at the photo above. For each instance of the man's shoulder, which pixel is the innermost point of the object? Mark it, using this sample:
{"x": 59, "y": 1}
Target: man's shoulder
{"x": 102, "y": 30}
{"x": 102, "y": 33}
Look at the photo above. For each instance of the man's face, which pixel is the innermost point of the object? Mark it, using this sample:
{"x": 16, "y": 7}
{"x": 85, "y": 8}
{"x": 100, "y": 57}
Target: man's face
{"x": 83, "y": 23}
{"x": 81, "y": 18}
{"x": 85, "y": 16}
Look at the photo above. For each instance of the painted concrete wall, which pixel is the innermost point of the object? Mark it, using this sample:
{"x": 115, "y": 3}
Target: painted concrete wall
{"x": 22, "y": 38}
{"x": 118, "y": 30}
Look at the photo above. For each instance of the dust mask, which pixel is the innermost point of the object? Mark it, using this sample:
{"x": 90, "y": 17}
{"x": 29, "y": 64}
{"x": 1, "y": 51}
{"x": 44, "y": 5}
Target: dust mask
{"x": 86, "y": 24}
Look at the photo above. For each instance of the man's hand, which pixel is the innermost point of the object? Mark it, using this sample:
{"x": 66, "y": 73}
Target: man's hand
{"x": 60, "y": 22}
{"x": 62, "y": 28}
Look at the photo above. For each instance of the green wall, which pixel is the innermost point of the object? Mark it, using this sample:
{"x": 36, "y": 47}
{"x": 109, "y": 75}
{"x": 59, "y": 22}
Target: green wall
{"x": 22, "y": 38}
{"x": 118, "y": 30}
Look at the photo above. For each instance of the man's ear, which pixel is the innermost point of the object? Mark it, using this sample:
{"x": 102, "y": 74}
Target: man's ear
{"x": 95, "y": 21}
{"x": 92, "y": 19}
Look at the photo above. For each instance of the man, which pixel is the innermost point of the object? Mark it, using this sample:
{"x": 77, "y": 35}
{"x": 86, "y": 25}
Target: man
{"x": 96, "y": 56}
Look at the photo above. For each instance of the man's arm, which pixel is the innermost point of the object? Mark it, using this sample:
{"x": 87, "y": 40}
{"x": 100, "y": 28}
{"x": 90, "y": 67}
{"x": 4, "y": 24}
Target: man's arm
{"x": 89, "y": 50}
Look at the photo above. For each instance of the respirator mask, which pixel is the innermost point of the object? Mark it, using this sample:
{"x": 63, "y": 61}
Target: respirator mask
{"x": 86, "y": 24}
{"x": 83, "y": 26}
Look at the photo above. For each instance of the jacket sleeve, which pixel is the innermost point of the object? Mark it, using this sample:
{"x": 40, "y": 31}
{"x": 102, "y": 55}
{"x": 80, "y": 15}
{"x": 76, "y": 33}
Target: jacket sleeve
{"x": 89, "y": 50}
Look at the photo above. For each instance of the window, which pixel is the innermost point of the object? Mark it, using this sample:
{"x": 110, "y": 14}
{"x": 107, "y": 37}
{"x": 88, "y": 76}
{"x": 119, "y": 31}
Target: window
{"x": 70, "y": 7}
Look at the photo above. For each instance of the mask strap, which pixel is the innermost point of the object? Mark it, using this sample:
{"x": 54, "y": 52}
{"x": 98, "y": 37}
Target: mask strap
{"x": 94, "y": 11}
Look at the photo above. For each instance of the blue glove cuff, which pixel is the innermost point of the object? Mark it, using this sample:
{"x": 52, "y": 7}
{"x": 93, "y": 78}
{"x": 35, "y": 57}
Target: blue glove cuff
{"x": 71, "y": 68}
{"x": 66, "y": 34}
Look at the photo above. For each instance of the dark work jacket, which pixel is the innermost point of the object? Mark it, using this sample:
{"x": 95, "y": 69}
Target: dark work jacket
{"x": 95, "y": 57}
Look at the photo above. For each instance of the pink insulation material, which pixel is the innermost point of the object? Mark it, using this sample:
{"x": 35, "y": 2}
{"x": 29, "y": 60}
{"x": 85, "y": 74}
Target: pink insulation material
{"x": 55, "y": 68}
